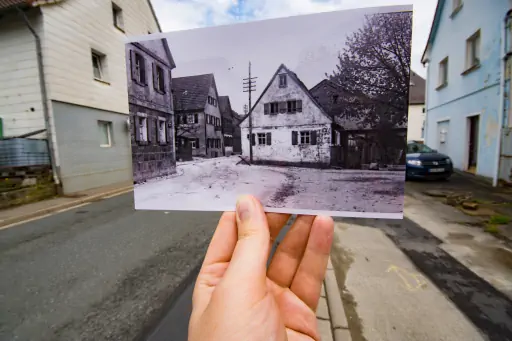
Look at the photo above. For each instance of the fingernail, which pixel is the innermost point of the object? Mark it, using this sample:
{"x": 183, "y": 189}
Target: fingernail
{"x": 244, "y": 208}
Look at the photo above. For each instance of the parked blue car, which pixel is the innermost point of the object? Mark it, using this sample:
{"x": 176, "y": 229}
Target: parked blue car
{"x": 423, "y": 162}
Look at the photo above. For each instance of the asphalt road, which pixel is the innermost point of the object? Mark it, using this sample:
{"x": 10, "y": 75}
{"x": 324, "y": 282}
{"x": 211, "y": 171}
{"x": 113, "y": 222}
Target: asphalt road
{"x": 98, "y": 272}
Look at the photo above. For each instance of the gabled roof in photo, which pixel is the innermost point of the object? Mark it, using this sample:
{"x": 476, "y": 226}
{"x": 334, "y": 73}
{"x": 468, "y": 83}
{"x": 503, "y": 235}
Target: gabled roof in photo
{"x": 416, "y": 89}
{"x": 225, "y": 106}
{"x": 191, "y": 93}
{"x": 148, "y": 43}
{"x": 294, "y": 76}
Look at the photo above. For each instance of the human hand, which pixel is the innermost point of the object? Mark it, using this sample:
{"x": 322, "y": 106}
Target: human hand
{"x": 237, "y": 298}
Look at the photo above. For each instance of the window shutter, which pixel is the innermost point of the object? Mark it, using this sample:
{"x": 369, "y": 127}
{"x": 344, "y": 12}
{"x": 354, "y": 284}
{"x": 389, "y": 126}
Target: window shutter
{"x": 269, "y": 139}
{"x": 150, "y": 129}
{"x": 137, "y": 128}
{"x": 247, "y": 136}
{"x": 157, "y": 130}
{"x": 132, "y": 65}
{"x": 196, "y": 118}
{"x": 143, "y": 71}
{"x": 253, "y": 140}
{"x": 299, "y": 105}
{"x": 313, "y": 137}
{"x": 168, "y": 134}
{"x": 155, "y": 82}
{"x": 267, "y": 109}
{"x": 294, "y": 138}
{"x": 283, "y": 107}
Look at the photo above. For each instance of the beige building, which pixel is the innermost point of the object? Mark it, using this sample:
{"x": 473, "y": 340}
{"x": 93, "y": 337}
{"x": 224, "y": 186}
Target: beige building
{"x": 82, "y": 98}
{"x": 416, "y": 116}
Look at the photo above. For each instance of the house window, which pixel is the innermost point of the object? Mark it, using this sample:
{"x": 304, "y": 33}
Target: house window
{"x": 456, "y": 6}
{"x": 143, "y": 129}
{"x": 443, "y": 73}
{"x": 282, "y": 81}
{"x": 158, "y": 78}
{"x": 274, "y": 108}
{"x": 193, "y": 143}
{"x": 473, "y": 50}
{"x": 212, "y": 101}
{"x": 192, "y": 118}
{"x": 162, "y": 136}
{"x": 262, "y": 138}
{"x": 139, "y": 69}
{"x": 117, "y": 14}
{"x": 105, "y": 129}
{"x": 292, "y": 106}
{"x": 98, "y": 64}
{"x": 305, "y": 137}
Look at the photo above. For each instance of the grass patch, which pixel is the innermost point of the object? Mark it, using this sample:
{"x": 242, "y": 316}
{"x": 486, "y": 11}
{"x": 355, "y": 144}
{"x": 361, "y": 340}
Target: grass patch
{"x": 493, "y": 229}
{"x": 499, "y": 220}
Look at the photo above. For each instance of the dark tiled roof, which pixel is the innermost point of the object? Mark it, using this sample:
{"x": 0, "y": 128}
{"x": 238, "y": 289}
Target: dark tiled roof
{"x": 191, "y": 93}
{"x": 5, "y": 4}
{"x": 225, "y": 106}
{"x": 416, "y": 89}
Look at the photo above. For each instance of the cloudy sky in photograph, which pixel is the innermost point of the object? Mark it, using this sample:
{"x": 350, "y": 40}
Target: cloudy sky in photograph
{"x": 308, "y": 45}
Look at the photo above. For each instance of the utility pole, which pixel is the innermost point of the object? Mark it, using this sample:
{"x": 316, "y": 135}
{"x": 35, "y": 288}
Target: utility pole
{"x": 250, "y": 86}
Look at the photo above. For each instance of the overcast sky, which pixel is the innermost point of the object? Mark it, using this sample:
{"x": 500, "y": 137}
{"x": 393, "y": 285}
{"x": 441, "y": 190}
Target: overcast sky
{"x": 306, "y": 44}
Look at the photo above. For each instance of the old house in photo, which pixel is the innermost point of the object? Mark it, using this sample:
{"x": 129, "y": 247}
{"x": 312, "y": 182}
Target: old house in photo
{"x": 228, "y": 124}
{"x": 289, "y": 127}
{"x": 237, "y": 133}
{"x": 198, "y": 116}
{"x": 358, "y": 144}
{"x": 416, "y": 117}
{"x": 149, "y": 68}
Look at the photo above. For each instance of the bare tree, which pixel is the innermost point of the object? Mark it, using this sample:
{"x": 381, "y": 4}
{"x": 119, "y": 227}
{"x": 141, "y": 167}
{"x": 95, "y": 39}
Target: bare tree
{"x": 373, "y": 71}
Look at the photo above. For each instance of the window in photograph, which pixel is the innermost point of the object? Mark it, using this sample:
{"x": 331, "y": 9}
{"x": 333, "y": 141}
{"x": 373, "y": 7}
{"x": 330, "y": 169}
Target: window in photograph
{"x": 473, "y": 51}
{"x": 105, "y": 129}
{"x": 212, "y": 101}
{"x": 282, "y": 81}
{"x": 139, "y": 69}
{"x": 143, "y": 129}
{"x": 305, "y": 137}
{"x": 262, "y": 138}
{"x": 443, "y": 73}
{"x": 292, "y": 106}
{"x": 117, "y": 14}
{"x": 193, "y": 144}
{"x": 159, "y": 78}
{"x": 98, "y": 65}
{"x": 274, "y": 108}
{"x": 192, "y": 118}
{"x": 162, "y": 136}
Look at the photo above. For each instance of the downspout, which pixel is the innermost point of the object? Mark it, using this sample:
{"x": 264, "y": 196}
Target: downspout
{"x": 44, "y": 95}
{"x": 503, "y": 67}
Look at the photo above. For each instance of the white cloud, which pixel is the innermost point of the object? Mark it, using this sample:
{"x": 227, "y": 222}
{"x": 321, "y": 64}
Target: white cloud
{"x": 187, "y": 14}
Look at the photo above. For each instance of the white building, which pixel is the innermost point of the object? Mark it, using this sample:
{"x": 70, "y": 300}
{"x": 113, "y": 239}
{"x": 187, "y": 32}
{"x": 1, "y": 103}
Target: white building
{"x": 82, "y": 100}
{"x": 416, "y": 115}
{"x": 288, "y": 125}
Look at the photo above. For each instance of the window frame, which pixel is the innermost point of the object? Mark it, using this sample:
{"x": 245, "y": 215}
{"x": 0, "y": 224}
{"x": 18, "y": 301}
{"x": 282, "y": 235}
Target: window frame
{"x": 108, "y": 124}
{"x": 261, "y": 137}
{"x": 162, "y": 133}
{"x": 99, "y": 59}
{"x": 117, "y": 16}
{"x": 143, "y": 129}
{"x": 160, "y": 78}
{"x": 193, "y": 143}
{"x": 303, "y": 136}
{"x": 473, "y": 49}
{"x": 140, "y": 68}
{"x": 443, "y": 75}
{"x": 291, "y": 106}
{"x": 272, "y": 105}
{"x": 283, "y": 80}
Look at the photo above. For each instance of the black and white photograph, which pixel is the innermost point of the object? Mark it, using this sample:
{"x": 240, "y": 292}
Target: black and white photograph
{"x": 307, "y": 113}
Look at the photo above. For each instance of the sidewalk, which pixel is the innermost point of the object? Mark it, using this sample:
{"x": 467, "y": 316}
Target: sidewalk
{"x": 12, "y": 216}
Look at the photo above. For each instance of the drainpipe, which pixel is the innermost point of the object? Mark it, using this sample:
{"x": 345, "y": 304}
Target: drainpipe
{"x": 44, "y": 95}
{"x": 503, "y": 66}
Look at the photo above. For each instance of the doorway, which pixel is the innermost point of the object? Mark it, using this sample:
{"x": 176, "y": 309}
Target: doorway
{"x": 473, "y": 143}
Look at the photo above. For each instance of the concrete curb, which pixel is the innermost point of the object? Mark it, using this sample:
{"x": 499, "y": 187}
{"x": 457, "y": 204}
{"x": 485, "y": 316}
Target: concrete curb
{"x": 45, "y": 211}
{"x": 337, "y": 314}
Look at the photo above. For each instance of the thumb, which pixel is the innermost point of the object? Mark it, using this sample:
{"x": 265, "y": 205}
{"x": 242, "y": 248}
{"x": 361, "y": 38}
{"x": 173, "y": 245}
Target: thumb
{"x": 249, "y": 259}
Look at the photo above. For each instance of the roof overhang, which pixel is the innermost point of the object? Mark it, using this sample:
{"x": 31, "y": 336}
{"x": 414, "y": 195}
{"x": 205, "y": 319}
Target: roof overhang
{"x": 6, "y": 5}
